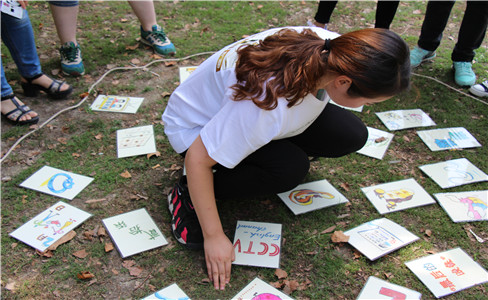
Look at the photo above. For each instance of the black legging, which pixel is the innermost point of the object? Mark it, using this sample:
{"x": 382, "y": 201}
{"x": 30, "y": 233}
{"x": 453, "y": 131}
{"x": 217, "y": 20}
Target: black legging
{"x": 281, "y": 165}
{"x": 385, "y": 12}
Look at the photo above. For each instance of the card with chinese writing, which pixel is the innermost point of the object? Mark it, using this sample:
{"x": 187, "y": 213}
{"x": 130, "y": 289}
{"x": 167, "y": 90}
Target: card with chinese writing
{"x": 397, "y": 195}
{"x": 50, "y": 225}
{"x": 311, "y": 196}
{"x": 258, "y": 289}
{"x": 134, "y": 232}
{"x": 403, "y": 119}
{"x": 119, "y": 104}
{"x": 257, "y": 244}
{"x": 454, "y": 172}
{"x": 465, "y": 206}
{"x": 135, "y": 141}
{"x": 185, "y": 72}
{"x": 379, "y": 237}
{"x": 448, "y": 138}
{"x": 57, "y": 182}
{"x": 378, "y": 289}
{"x": 448, "y": 272}
{"x": 170, "y": 292}
{"x": 358, "y": 109}
{"x": 12, "y": 8}
{"x": 377, "y": 143}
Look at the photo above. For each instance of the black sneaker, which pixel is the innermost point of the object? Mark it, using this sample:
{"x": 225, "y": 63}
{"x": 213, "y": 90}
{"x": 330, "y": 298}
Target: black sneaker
{"x": 184, "y": 223}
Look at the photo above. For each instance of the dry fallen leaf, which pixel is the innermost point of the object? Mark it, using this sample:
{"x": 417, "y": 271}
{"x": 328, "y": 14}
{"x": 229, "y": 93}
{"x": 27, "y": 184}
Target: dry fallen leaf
{"x": 109, "y": 247}
{"x": 155, "y": 166}
{"x": 80, "y": 253}
{"x": 99, "y": 136}
{"x": 135, "y": 271}
{"x": 101, "y": 231}
{"x": 329, "y": 230}
{"x": 128, "y": 263}
{"x": 85, "y": 275}
{"x": 135, "y": 61}
{"x": 428, "y": 232}
{"x": 24, "y": 199}
{"x": 345, "y": 186}
{"x": 62, "y": 140}
{"x": 281, "y": 273}
{"x": 134, "y": 47}
{"x": 67, "y": 237}
{"x": 10, "y": 286}
{"x": 276, "y": 284}
{"x": 125, "y": 174}
{"x": 157, "y": 154}
{"x": 75, "y": 155}
{"x": 83, "y": 95}
{"x": 95, "y": 200}
{"x": 339, "y": 237}
{"x": 380, "y": 139}
{"x": 165, "y": 94}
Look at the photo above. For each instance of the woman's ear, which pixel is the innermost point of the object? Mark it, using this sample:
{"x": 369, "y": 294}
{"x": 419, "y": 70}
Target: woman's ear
{"x": 342, "y": 82}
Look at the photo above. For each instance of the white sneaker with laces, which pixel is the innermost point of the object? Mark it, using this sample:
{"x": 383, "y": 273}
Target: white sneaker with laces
{"x": 480, "y": 89}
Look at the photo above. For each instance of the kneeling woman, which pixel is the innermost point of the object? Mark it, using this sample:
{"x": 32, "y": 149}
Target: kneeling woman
{"x": 257, "y": 109}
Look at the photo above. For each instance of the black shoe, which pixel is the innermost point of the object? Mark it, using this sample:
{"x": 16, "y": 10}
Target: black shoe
{"x": 184, "y": 223}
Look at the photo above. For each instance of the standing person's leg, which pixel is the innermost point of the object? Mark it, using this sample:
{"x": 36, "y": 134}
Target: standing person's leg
{"x": 151, "y": 33}
{"x": 471, "y": 35}
{"x": 385, "y": 12}
{"x": 324, "y": 11}
{"x": 65, "y": 16}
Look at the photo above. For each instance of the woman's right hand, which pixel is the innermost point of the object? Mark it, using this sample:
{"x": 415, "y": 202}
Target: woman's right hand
{"x": 219, "y": 255}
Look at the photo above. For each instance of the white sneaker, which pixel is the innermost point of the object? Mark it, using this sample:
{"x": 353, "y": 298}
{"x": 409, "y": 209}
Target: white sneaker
{"x": 480, "y": 89}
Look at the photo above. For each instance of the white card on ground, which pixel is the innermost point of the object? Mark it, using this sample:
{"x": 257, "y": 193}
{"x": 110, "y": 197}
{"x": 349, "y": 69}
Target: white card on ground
{"x": 57, "y": 182}
{"x": 185, "y": 72}
{"x": 448, "y": 272}
{"x": 258, "y": 289}
{"x": 448, "y": 138}
{"x": 465, "y": 206}
{"x": 397, "y": 195}
{"x": 454, "y": 172}
{"x": 377, "y": 143}
{"x": 12, "y": 8}
{"x": 379, "y": 237}
{"x": 378, "y": 289}
{"x": 358, "y": 109}
{"x": 135, "y": 141}
{"x": 119, "y": 104}
{"x": 257, "y": 244}
{"x": 402, "y": 119}
{"x": 134, "y": 232}
{"x": 50, "y": 225}
{"x": 170, "y": 292}
{"x": 311, "y": 196}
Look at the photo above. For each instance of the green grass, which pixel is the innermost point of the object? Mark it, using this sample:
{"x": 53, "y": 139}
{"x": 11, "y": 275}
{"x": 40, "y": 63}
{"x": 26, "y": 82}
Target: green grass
{"x": 195, "y": 26}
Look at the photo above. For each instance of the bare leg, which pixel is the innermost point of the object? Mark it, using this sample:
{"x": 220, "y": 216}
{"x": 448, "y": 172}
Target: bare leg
{"x": 144, "y": 11}
{"x": 65, "y": 20}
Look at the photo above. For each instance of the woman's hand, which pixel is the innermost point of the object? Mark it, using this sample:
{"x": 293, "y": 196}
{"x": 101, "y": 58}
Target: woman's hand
{"x": 219, "y": 255}
{"x": 23, "y": 3}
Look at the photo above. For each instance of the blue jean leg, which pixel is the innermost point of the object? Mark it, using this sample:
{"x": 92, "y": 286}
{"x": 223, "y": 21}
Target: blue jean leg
{"x": 18, "y": 36}
{"x": 6, "y": 88}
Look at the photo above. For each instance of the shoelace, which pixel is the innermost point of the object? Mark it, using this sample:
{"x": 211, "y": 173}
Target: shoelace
{"x": 159, "y": 35}
{"x": 70, "y": 52}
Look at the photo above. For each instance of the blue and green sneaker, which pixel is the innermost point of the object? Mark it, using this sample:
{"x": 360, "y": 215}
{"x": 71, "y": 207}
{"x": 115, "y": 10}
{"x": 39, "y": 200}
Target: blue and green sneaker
{"x": 158, "y": 40}
{"x": 71, "y": 61}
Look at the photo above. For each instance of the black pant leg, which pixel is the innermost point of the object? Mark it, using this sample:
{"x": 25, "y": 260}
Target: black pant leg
{"x": 325, "y": 11}
{"x": 435, "y": 21}
{"x": 385, "y": 12}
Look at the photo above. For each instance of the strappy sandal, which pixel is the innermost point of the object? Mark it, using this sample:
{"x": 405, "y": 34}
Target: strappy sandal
{"x": 53, "y": 91}
{"x": 14, "y": 115}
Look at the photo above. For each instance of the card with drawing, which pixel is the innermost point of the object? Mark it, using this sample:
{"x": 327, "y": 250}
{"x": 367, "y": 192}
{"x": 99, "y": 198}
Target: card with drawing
{"x": 260, "y": 290}
{"x": 12, "y": 8}
{"x": 397, "y": 195}
{"x": 403, "y": 119}
{"x": 379, "y": 237}
{"x": 311, "y": 196}
{"x": 448, "y": 272}
{"x": 50, "y": 225}
{"x": 257, "y": 244}
{"x": 377, "y": 143}
{"x": 171, "y": 292}
{"x": 57, "y": 182}
{"x": 454, "y": 172}
{"x": 378, "y": 289}
{"x": 119, "y": 104}
{"x": 134, "y": 232}
{"x": 448, "y": 138}
{"x": 465, "y": 206}
{"x": 185, "y": 72}
{"x": 135, "y": 141}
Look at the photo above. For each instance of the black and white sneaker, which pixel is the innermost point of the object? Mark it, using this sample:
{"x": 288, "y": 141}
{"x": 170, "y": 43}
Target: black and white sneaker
{"x": 184, "y": 223}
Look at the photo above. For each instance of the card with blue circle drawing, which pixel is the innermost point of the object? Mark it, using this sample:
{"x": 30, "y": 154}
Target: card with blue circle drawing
{"x": 172, "y": 292}
{"x": 57, "y": 182}
{"x": 454, "y": 172}
{"x": 405, "y": 118}
{"x": 50, "y": 225}
{"x": 448, "y": 138}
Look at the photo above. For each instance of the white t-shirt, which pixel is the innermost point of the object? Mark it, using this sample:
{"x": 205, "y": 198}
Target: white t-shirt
{"x": 231, "y": 130}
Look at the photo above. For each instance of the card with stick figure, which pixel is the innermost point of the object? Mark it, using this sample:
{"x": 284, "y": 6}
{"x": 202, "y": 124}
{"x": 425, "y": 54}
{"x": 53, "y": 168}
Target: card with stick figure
{"x": 134, "y": 232}
{"x": 172, "y": 292}
{"x": 260, "y": 290}
{"x": 454, "y": 172}
{"x": 465, "y": 206}
{"x": 311, "y": 196}
{"x": 57, "y": 182}
{"x": 397, "y": 195}
{"x": 257, "y": 244}
{"x": 403, "y": 119}
{"x": 135, "y": 141}
{"x": 120, "y": 104}
{"x": 376, "y": 288}
{"x": 448, "y": 138}
{"x": 50, "y": 225}
{"x": 377, "y": 143}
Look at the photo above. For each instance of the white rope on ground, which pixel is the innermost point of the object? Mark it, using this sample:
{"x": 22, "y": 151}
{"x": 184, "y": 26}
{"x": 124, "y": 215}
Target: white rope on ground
{"x": 88, "y": 94}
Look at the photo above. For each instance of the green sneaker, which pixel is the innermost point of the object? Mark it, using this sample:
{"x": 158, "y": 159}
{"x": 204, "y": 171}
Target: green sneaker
{"x": 463, "y": 73}
{"x": 71, "y": 61}
{"x": 158, "y": 40}
{"x": 419, "y": 55}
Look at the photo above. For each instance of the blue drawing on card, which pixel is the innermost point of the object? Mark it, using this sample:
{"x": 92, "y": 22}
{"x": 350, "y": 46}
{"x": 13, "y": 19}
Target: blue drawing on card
{"x": 449, "y": 142}
{"x": 458, "y": 174}
{"x": 380, "y": 237}
{"x": 45, "y": 223}
{"x": 476, "y": 208}
{"x": 394, "y": 197}
{"x": 113, "y": 103}
{"x": 159, "y": 296}
{"x": 306, "y": 196}
{"x": 59, "y": 186}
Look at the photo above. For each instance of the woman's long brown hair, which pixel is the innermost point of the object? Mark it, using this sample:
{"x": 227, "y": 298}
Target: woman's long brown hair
{"x": 290, "y": 64}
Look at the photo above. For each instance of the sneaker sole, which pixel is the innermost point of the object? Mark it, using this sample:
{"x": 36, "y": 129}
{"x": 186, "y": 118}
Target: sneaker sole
{"x": 478, "y": 93}
{"x": 425, "y": 59}
{"x": 74, "y": 73}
